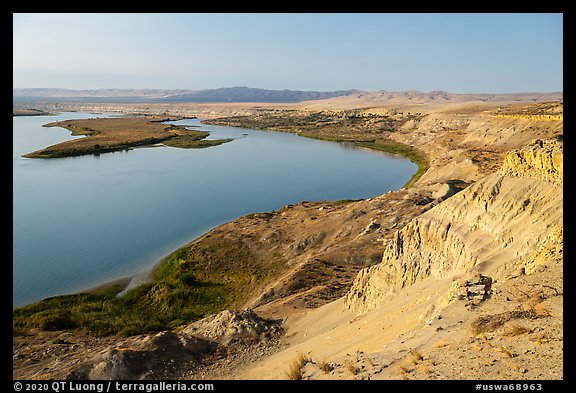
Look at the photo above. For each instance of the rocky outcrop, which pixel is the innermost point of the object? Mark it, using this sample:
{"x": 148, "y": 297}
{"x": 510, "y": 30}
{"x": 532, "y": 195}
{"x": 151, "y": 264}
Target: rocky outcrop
{"x": 533, "y": 117}
{"x": 510, "y": 132}
{"x": 145, "y": 357}
{"x": 439, "y": 122}
{"x": 474, "y": 290}
{"x": 169, "y": 354}
{"x": 541, "y": 160}
{"x": 501, "y": 218}
{"x": 235, "y": 327}
{"x": 550, "y": 253}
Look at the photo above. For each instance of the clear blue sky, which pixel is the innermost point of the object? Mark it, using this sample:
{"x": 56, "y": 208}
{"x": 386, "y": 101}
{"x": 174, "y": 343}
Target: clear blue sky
{"x": 459, "y": 53}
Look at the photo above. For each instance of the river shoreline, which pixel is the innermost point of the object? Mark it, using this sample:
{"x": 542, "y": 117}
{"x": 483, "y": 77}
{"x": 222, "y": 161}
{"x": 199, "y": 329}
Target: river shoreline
{"x": 137, "y": 277}
{"x": 129, "y": 282}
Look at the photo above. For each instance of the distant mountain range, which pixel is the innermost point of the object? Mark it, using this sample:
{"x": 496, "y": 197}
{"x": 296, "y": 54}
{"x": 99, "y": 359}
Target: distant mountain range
{"x": 227, "y": 94}
{"x": 248, "y": 94}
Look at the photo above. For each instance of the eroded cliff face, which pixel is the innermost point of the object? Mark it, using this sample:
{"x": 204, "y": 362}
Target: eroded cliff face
{"x": 501, "y": 218}
{"x": 539, "y": 160}
{"x": 469, "y": 142}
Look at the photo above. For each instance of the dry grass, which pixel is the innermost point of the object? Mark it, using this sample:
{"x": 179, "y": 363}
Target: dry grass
{"x": 539, "y": 311}
{"x": 351, "y": 367}
{"x": 530, "y": 308}
{"x": 485, "y": 340}
{"x": 486, "y": 361}
{"x": 410, "y": 362}
{"x": 532, "y": 298}
{"x": 504, "y": 351}
{"x": 295, "y": 371}
{"x": 541, "y": 338}
{"x": 513, "y": 365}
{"x": 426, "y": 367}
{"x": 489, "y": 323}
{"x": 325, "y": 366}
{"x": 515, "y": 329}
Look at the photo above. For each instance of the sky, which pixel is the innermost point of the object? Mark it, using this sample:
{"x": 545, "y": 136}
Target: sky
{"x": 457, "y": 53}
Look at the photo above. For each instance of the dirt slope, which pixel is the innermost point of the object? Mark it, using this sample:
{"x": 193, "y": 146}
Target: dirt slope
{"x": 418, "y": 313}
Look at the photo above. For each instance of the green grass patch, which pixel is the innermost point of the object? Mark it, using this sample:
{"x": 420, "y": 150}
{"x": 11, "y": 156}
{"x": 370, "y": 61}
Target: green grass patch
{"x": 199, "y": 279}
{"x": 189, "y": 142}
{"x": 390, "y": 146}
{"x": 346, "y": 201}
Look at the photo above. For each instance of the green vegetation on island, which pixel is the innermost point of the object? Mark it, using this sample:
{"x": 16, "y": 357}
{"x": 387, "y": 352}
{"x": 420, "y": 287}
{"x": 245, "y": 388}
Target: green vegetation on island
{"x": 30, "y": 112}
{"x": 105, "y": 135}
{"x": 192, "y": 142}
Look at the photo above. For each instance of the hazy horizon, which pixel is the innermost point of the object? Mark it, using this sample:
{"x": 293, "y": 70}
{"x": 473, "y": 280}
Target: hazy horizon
{"x": 260, "y": 88}
{"x": 456, "y": 53}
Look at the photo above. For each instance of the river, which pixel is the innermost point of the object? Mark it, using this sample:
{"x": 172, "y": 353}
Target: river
{"x": 82, "y": 221}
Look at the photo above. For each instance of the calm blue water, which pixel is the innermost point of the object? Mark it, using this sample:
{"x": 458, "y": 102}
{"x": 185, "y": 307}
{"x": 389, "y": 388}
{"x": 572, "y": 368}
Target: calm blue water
{"x": 81, "y": 221}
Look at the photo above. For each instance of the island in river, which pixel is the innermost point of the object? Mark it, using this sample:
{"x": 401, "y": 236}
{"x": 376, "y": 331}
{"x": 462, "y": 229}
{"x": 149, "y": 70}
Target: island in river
{"x": 105, "y": 135}
{"x": 30, "y": 112}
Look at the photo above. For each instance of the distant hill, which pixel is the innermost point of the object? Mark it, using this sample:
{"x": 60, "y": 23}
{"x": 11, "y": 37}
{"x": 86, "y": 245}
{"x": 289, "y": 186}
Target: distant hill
{"x": 249, "y": 94}
{"x": 227, "y": 94}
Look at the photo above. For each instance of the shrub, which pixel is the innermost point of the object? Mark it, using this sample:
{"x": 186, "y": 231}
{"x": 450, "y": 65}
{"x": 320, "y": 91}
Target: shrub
{"x": 295, "y": 371}
{"x": 53, "y": 322}
{"x": 514, "y": 329}
{"x": 351, "y": 367}
{"x": 325, "y": 367}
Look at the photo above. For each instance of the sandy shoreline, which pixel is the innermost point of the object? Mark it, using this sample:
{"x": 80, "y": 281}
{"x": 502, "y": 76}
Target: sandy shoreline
{"x": 133, "y": 280}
